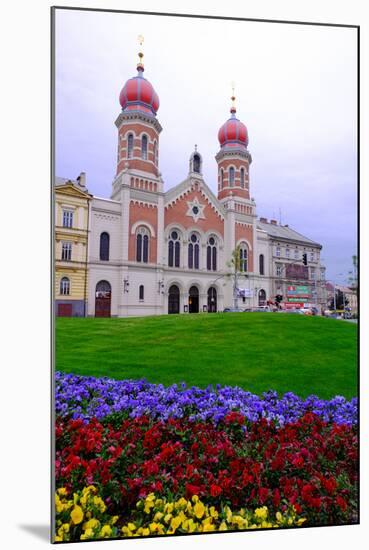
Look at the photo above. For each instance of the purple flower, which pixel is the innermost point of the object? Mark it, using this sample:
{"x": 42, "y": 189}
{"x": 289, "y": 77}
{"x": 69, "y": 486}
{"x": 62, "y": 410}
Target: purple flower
{"x": 86, "y": 397}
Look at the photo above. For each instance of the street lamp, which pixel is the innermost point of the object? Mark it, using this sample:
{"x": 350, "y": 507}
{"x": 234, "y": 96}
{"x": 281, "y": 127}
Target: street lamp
{"x": 126, "y": 285}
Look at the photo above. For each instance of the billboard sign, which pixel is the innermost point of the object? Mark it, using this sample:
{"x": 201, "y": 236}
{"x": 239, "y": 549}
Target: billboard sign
{"x": 297, "y": 271}
{"x": 297, "y": 293}
{"x": 244, "y": 293}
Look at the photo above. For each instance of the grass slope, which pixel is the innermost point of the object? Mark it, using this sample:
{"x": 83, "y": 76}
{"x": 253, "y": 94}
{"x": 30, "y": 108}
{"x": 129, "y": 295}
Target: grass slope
{"x": 257, "y": 351}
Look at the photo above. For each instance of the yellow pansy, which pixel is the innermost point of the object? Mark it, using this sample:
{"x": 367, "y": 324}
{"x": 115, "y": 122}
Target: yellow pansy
{"x": 127, "y": 532}
{"x": 214, "y": 514}
{"x": 106, "y": 531}
{"x": 87, "y": 534}
{"x": 176, "y": 522}
{"x": 181, "y": 502}
{"x": 167, "y": 518}
{"x": 132, "y": 526}
{"x": 91, "y": 524}
{"x": 63, "y": 529}
{"x": 223, "y": 526}
{"x": 62, "y": 491}
{"x": 199, "y": 509}
{"x": 261, "y": 513}
{"x": 76, "y": 514}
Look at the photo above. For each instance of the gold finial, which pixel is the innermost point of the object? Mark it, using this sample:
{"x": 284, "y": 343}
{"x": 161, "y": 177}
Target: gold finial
{"x": 140, "y": 39}
{"x": 233, "y": 97}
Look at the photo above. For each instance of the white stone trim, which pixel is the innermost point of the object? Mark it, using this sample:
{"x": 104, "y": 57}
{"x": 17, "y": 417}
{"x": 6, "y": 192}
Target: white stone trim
{"x": 144, "y": 223}
{"x": 244, "y": 240}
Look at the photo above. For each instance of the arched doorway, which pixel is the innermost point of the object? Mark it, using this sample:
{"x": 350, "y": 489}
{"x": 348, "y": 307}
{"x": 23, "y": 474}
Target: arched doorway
{"x": 193, "y": 300}
{"x": 173, "y": 299}
{"x": 262, "y": 297}
{"x": 212, "y": 300}
{"x": 102, "y": 299}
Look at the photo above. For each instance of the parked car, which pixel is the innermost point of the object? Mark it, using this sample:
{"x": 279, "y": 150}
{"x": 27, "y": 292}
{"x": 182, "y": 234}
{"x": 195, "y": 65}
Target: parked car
{"x": 306, "y": 310}
{"x": 295, "y": 311}
{"x": 232, "y": 310}
{"x": 264, "y": 309}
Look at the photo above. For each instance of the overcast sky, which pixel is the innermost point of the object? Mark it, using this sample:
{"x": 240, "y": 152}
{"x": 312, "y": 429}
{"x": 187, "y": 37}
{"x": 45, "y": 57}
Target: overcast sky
{"x": 295, "y": 91}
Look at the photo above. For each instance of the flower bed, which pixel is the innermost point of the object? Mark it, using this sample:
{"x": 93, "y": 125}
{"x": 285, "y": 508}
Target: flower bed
{"x": 309, "y": 464}
{"x": 88, "y": 397}
{"x": 83, "y": 516}
{"x": 139, "y": 459}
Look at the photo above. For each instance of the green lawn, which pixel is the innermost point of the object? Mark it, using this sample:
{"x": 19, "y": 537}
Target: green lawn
{"x": 257, "y": 351}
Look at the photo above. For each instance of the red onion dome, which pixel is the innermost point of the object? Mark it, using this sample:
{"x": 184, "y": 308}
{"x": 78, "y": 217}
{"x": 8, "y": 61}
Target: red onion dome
{"x": 139, "y": 95}
{"x": 233, "y": 133}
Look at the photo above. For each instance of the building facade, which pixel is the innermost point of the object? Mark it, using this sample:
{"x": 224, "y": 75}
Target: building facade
{"x": 72, "y": 210}
{"x": 153, "y": 252}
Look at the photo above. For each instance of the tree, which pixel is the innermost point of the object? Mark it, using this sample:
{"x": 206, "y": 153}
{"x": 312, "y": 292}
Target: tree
{"x": 235, "y": 265}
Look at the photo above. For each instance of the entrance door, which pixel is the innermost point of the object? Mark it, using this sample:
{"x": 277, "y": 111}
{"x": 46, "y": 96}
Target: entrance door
{"x": 64, "y": 310}
{"x": 173, "y": 299}
{"x": 262, "y": 297}
{"x": 193, "y": 300}
{"x": 102, "y": 299}
{"x": 212, "y": 300}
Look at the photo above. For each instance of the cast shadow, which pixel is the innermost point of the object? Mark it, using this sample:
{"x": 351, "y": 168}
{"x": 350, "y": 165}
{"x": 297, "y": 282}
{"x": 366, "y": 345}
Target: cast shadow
{"x": 40, "y": 531}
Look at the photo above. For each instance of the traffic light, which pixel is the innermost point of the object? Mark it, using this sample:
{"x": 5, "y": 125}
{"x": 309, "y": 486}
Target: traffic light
{"x": 305, "y": 259}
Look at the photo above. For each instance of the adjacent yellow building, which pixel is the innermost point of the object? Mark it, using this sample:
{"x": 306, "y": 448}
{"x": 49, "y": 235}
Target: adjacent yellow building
{"x": 72, "y": 213}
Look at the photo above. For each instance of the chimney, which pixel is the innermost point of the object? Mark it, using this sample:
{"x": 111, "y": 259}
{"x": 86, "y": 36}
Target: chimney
{"x": 82, "y": 179}
{"x": 264, "y": 220}
{"x": 274, "y": 222}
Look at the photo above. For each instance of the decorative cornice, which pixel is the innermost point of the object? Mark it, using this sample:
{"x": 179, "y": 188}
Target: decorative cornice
{"x": 138, "y": 116}
{"x": 242, "y": 154}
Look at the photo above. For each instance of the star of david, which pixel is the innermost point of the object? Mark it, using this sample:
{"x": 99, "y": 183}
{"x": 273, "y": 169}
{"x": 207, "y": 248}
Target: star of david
{"x": 195, "y": 210}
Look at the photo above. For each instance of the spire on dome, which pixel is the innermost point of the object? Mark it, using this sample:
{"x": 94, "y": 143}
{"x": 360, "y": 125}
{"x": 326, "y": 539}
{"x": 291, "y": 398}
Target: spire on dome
{"x": 140, "y": 65}
{"x": 138, "y": 94}
{"x": 233, "y": 98}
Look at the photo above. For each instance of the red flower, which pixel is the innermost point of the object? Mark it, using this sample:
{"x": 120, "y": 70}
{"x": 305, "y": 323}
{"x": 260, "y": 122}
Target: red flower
{"x": 215, "y": 490}
{"x": 192, "y": 490}
{"x": 341, "y": 503}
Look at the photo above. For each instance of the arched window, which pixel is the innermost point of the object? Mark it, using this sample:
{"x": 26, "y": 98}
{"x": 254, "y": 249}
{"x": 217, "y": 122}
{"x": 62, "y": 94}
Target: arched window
{"x": 155, "y": 153}
{"x": 64, "y": 286}
{"x": 104, "y": 246}
{"x": 211, "y": 254}
{"x": 242, "y": 177}
{"x": 231, "y": 176}
{"x": 142, "y": 244}
{"x": 144, "y": 147}
{"x": 141, "y": 293}
{"x": 129, "y": 146}
{"x": 194, "y": 252}
{"x": 243, "y": 257}
{"x": 221, "y": 178}
{"x": 174, "y": 249}
{"x": 261, "y": 264}
{"x": 196, "y": 164}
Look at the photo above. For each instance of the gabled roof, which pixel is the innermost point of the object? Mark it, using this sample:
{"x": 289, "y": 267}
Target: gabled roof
{"x": 62, "y": 184}
{"x": 178, "y": 191}
{"x": 284, "y": 232}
